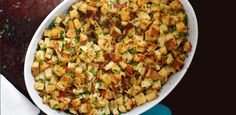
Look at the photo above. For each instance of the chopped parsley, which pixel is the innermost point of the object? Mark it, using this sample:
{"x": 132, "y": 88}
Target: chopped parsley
{"x": 185, "y": 20}
{"x": 172, "y": 28}
{"x": 132, "y": 50}
{"x": 92, "y": 70}
{"x": 38, "y": 48}
{"x": 86, "y": 91}
{"x": 6, "y": 30}
{"x": 52, "y": 25}
{"x": 78, "y": 31}
{"x": 62, "y": 34}
{"x": 105, "y": 33}
{"x": 70, "y": 50}
{"x": 71, "y": 74}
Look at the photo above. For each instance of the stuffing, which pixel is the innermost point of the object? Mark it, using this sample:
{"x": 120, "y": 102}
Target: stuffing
{"x": 110, "y": 56}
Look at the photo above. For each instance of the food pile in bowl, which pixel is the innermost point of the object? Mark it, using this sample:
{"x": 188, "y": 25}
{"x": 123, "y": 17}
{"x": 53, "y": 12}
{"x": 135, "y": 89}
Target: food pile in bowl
{"x": 108, "y": 56}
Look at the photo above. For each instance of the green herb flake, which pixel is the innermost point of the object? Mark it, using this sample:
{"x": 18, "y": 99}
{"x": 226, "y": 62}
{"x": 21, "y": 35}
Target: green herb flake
{"x": 70, "y": 50}
{"x": 172, "y": 28}
{"x": 132, "y": 50}
{"x": 5, "y": 30}
{"x": 105, "y": 33}
{"x": 62, "y": 35}
{"x": 185, "y": 20}
{"x": 78, "y": 31}
{"x": 86, "y": 91}
{"x": 52, "y": 25}
{"x": 71, "y": 74}
{"x": 92, "y": 70}
{"x": 38, "y": 48}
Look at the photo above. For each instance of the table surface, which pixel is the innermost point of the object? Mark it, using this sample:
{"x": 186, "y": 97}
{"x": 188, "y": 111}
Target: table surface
{"x": 20, "y": 19}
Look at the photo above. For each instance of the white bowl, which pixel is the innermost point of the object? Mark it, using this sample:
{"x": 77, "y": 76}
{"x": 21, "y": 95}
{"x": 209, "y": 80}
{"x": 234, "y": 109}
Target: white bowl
{"x": 166, "y": 89}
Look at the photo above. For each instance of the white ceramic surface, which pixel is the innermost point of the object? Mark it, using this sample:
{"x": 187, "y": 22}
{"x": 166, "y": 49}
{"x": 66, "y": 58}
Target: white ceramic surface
{"x": 166, "y": 89}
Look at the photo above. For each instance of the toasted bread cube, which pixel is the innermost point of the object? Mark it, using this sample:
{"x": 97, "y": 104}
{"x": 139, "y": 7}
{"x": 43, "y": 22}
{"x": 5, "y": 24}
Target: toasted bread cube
{"x": 154, "y": 75}
{"x": 84, "y": 108}
{"x": 73, "y": 14}
{"x": 109, "y": 65}
{"x": 40, "y": 55}
{"x": 146, "y": 83}
{"x": 47, "y": 33}
{"x": 153, "y": 33}
{"x": 156, "y": 84}
{"x": 83, "y": 7}
{"x": 91, "y": 53}
{"x": 48, "y": 73}
{"x": 39, "y": 86}
{"x": 116, "y": 78}
{"x": 115, "y": 32}
{"x": 49, "y": 53}
{"x": 77, "y": 23}
{"x": 104, "y": 9}
{"x": 143, "y": 16}
{"x": 128, "y": 104}
{"x": 40, "y": 77}
{"x": 140, "y": 99}
{"x": 164, "y": 72}
{"x": 78, "y": 71}
{"x": 125, "y": 14}
{"x": 58, "y": 20}
{"x": 53, "y": 80}
{"x": 83, "y": 37}
{"x": 134, "y": 90}
{"x": 50, "y": 88}
{"x": 76, "y": 102}
{"x": 70, "y": 25}
{"x": 152, "y": 95}
{"x": 61, "y": 85}
{"x": 63, "y": 105}
{"x": 142, "y": 2}
{"x": 106, "y": 79}
{"x": 73, "y": 111}
{"x": 122, "y": 64}
{"x": 71, "y": 33}
{"x": 43, "y": 66}
{"x": 169, "y": 59}
{"x": 55, "y": 32}
{"x": 120, "y": 100}
{"x": 187, "y": 46}
{"x": 156, "y": 15}
{"x": 144, "y": 24}
{"x": 54, "y": 59}
{"x": 141, "y": 46}
{"x": 163, "y": 28}
{"x": 163, "y": 50}
{"x": 46, "y": 99}
{"x": 175, "y": 5}
{"x": 58, "y": 70}
{"x": 139, "y": 57}
{"x": 35, "y": 68}
{"x": 48, "y": 43}
{"x": 127, "y": 57}
{"x": 109, "y": 94}
{"x": 54, "y": 103}
{"x": 149, "y": 60}
{"x": 101, "y": 103}
{"x": 122, "y": 108}
{"x": 71, "y": 67}
{"x": 181, "y": 27}
{"x": 41, "y": 44}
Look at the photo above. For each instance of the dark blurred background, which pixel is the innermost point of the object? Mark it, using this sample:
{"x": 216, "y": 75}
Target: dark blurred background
{"x": 207, "y": 87}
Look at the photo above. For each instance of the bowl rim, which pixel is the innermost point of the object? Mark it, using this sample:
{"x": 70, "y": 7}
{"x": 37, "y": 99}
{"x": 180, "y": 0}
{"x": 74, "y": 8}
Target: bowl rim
{"x": 42, "y": 26}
